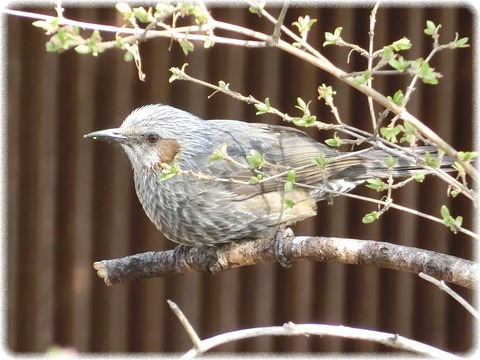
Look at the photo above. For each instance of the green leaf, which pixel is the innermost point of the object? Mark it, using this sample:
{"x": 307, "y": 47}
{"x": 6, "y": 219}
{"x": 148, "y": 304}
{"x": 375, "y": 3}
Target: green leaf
{"x": 223, "y": 85}
{"x": 427, "y": 74}
{"x": 186, "y": 45}
{"x": 256, "y": 179}
{"x": 391, "y": 133}
{"x": 83, "y": 49}
{"x": 444, "y": 212}
{"x": 257, "y": 8}
{"x": 460, "y": 43}
{"x": 141, "y": 14}
{"x": 334, "y": 142}
{"x": 320, "y": 161}
{"x": 291, "y": 175}
{"x": 402, "y": 44}
{"x": 387, "y": 53}
{"x": 376, "y": 184}
{"x": 390, "y": 161}
{"x": 263, "y": 108}
{"x": 289, "y": 203}
{"x": 325, "y": 92}
{"x": 177, "y": 74}
{"x": 304, "y": 24}
{"x": 255, "y": 159}
{"x": 304, "y": 121}
{"x": 124, "y": 9}
{"x": 363, "y": 78}
{"x": 430, "y": 161}
{"x": 397, "y": 98}
{"x": 399, "y": 63}
{"x": 209, "y": 42}
{"x": 302, "y": 105}
{"x": 288, "y": 186}
{"x": 169, "y": 170}
{"x": 128, "y": 56}
{"x": 467, "y": 156}
{"x": 432, "y": 29}
{"x": 333, "y": 39}
{"x": 419, "y": 177}
{"x": 370, "y": 217}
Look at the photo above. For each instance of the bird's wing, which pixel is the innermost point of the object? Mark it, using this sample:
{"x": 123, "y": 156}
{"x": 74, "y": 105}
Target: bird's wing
{"x": 282, "y": 148}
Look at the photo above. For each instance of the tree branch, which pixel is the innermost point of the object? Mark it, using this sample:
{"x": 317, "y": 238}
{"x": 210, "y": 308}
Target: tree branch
{"x": 329, "y": 249}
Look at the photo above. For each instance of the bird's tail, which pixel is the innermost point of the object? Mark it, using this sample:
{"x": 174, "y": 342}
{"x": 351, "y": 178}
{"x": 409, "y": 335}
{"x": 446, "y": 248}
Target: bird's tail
{"x": 375, "y": 164}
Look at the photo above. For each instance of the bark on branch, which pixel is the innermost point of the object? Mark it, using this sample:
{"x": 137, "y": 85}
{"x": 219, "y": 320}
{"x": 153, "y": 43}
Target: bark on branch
{"x": 184, "y": 259}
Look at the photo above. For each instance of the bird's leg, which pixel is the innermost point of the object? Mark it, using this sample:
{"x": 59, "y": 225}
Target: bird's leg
{"x": 180, "y": 252}
{"x": 279, "y": 239}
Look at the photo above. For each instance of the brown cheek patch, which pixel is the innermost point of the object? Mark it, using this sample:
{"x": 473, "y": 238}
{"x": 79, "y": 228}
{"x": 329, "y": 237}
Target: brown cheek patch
{"x": 167, "y": 149}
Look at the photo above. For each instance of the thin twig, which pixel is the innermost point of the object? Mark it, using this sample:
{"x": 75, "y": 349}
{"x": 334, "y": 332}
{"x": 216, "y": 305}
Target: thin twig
{"x": 371, "y": 34}
{"x": 442, "y": 286}
{"x": 291, "y": 329}
{"x": 197, "y": 342}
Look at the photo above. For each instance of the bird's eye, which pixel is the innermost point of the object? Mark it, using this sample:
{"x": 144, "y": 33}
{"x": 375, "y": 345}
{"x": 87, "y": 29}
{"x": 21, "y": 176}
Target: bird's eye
{"x": 153, "y": 138}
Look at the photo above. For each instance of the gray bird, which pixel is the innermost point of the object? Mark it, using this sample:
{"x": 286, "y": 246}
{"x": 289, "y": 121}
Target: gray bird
{"x": 216, "y": 201}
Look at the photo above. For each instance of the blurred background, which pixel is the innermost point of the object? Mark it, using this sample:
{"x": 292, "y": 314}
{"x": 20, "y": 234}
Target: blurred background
{"x": 72, "y": 202}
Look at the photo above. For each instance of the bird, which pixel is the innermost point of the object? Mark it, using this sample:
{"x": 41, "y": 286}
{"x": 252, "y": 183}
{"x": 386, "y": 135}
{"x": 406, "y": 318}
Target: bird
{"x": 210, "y": 182}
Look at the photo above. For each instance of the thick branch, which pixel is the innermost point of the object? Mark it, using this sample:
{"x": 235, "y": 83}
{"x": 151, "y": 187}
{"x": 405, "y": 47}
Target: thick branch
{"x": 340, "y": 250}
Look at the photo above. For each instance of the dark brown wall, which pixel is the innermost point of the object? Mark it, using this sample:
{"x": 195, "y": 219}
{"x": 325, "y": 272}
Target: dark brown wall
{"x": 72, "y": 202}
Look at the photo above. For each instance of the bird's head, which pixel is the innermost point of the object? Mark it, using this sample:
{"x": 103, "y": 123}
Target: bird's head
{"x": 152, "y": 135}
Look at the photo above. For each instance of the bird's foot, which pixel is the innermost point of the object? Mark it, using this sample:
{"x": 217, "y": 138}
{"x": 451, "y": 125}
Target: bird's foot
{"x": 281, "y": 234}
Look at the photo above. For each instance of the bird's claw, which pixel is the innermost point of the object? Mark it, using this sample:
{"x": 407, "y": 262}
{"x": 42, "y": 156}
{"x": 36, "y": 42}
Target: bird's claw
{"x": 281, "y": 234}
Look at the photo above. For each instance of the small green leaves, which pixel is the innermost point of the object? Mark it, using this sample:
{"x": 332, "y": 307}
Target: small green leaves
{"x": 419, "y": 177}
{"x": 218, "y": 154}
{"x": 362, "y": 78}
{"x": 326, "y": 92}
{"x": 263, "y": 108}
{"x": 425, "y": 72}
{"x": 391, "y": 133}
{"x": 223, "y": 85}
{"x": 169, "y": 170}
{"x": 431, "y": 28}
{"x": 390, "y": 161}
{"x": 431, "y": 161}
{"x": 257, "y": 8}
{"x": 467, "y": 156}
{"x": 449, "y": 221}
{"x": 304, "y": 24}
{"x": 320, "y": 161}
{"x": 397, "y": 98}
{"x": 177, "y": 74}
{"x": 333, "y": 39}
{"x": 428, "y": 75}
{"x": 291, "y": 175}
{"x": 255, "y": 159}
{"x": 288, "y": 203}
{"x": 307, "y": 119}
{"x": 399, "y": 63}
{"x": 409, "y": 132}
{"x": 376, "y": 184}
{"x": 402, "y": 44}
{"x": 209, "y": 42}
{"x": 334, "y": 142}
{"x": 256, "y": 179}
{"x": 370, "y": 217}
{"x": 460, "y": 43}
{"x": 124, "y": 9}
{"x": 186, "y": 45}
{"x": 50, "y": 26}
{"x": 141, "y": 14}
{"x": 92, "y": 45}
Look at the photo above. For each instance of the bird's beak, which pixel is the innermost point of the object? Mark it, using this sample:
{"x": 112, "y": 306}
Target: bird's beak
{"x": 110, "y": 135}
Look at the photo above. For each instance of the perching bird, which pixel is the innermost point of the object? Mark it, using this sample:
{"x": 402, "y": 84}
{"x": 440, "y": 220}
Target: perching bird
{"x": 208, "y": 201}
